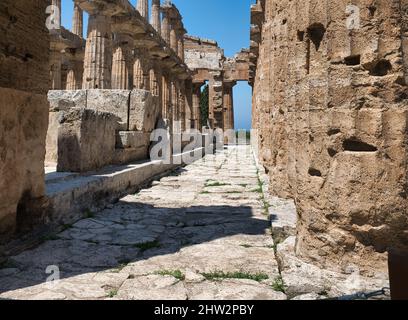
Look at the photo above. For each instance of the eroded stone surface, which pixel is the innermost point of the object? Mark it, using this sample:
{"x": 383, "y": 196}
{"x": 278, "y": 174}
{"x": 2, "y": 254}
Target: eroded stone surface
{"x": 168, "y": 241}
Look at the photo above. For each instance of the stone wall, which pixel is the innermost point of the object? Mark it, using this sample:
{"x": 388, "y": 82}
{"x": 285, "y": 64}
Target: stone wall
{"x": 330, "y": 106}
{"x": 24, "y": 82}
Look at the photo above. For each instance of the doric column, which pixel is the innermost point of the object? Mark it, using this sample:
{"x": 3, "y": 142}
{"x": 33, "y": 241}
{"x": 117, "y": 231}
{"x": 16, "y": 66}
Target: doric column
{"x": 173, "y": 40}
{"x": 165, "y": 28}
{"x": 78, "y": 21}
{"x": 182, "y": 105}
{"x": 155, "y": 16}
{"x": 154, "y": 86}
{"x": 138, "y": 74}
{"x": 228, "y": 101}
{"x": 71, "y": 80}
{"x": 98, "y": 56}
{"x": 188, "y": 97}
{"x": 181, "y": 47}
{"x": 143, "y": 8}
{"x": 57, "y": 15}
{"x": 119, "y": 69}
{"x": 55, "y": 69}
{"x": 121, "y": 61}
{"x": 196, "y": 106}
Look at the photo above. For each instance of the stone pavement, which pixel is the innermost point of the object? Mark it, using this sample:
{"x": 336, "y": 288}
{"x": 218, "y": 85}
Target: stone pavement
{"x": 200, "y": 233}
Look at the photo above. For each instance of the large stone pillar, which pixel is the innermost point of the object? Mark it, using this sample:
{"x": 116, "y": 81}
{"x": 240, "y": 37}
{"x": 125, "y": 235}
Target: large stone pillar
{"x": 228, "y": 106}
{"x": 55, "y": 69}
{"x": 143, "y": 8}
{"x": 98, "y": 56}
{"x": 165, "y": 27}
{"x": 23, "y": 115}
{"x": 154, "y": 85}
{"x": 180, "y": 46}
{"x": 155, "y": 16}
{"x": 138, "y": 74}
{"x": 188, "y": 96}
{"x": 196, "y": 105}
{"x": 78, "y": 21}
{"x": 121, "y": 63}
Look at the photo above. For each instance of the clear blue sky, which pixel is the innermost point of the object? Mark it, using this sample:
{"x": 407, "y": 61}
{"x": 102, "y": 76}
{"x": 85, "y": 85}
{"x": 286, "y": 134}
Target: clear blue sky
{"x": 226, "y": 21}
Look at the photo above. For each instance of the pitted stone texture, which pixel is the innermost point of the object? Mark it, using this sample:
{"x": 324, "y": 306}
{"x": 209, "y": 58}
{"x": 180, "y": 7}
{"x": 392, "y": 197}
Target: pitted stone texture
{"x": 330, "y": 106}
{"x": 63, "y": 100}
{"x": 144, "y": 110}
{"x": 111, "y": 101}
{"x": 157, "y": 243}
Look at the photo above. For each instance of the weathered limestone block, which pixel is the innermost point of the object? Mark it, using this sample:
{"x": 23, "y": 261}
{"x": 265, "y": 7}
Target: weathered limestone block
{"x": 24, "y": 43}
{"x": 51, "y": 155}
{"x": 112, "y": 101}
{"x": 61, "y": 100}
{"x": 24, "y": 81}
{"x": 23, "y": 127}
{"x": 144, "y": 111}
{"x": 86, "y": 140}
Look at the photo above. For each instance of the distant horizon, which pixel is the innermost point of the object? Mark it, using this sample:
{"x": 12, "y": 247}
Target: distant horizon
{"x": 207, "y": 20}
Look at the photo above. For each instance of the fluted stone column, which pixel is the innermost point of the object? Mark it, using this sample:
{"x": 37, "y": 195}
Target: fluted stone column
{"x": 228, "y": 106}
{"x": 55, "y": 69}
{"x": 165, "y": 28}
{"x": 196, "y": 106}
{"x": 155, "y": 15}
{"x": 182, "y": 105}
{"x": 180, "y": 46}
{"x": 119, "y": 69}
{"x": 173, "y": 40}
{"x": 121, "y": 62}
{"x": 71, "y": 79}
{"x": 137, "y": 74}
{"x": 143, "y": 8}
{"x": 98, "y": 53}
{"x": 78, "y": 21}
{"x": 154, "y": 86}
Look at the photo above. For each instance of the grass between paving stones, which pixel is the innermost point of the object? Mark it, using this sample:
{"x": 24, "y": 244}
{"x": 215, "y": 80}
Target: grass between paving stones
{"x": 147, "y": 245}
{"x": 174, "y": 273}
{"x": 259, "y": 190}
{"x": 113, "y": 293}
{"x": 278, "y": 284}
{"x": 218, "y": 275}
{"x": 212, "y": 183}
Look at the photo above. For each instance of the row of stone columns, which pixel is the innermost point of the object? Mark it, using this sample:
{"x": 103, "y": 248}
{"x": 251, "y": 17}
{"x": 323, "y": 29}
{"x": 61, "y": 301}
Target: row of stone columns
{"x": 111, "y": 62}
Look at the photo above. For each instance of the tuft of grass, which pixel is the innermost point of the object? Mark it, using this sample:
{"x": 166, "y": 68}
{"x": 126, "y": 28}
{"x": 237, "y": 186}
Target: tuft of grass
{"x": 246, "y": 245}
{"x": 204, "y": 192}
{"x": 89, "y": 214}
{"x": 278, "y": 284}
{"x": 147, "y": 245}
{"x": 174, "y": 273}
{"x": 113, "y": 293}
{"x": 217, "y": 275}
